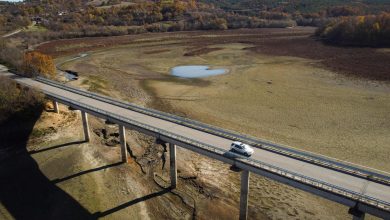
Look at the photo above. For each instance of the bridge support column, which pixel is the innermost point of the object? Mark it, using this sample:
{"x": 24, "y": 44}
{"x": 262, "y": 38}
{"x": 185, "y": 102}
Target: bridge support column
{"x": 55, "y": 106}
{"x": 122, "y": 137}
{"x": 358, "y": 217}
{"x": 172, "y": 165}
{"x": 356, "y": 213}
{"x": 244, "y": 194}
{"x": 84, "y": 116}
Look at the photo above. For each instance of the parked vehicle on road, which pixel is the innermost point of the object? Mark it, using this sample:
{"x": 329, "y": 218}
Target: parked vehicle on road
{"x": 242, "y": 148}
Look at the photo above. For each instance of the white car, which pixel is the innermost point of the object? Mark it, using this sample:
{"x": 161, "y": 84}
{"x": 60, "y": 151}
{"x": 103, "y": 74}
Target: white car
{"x": 242, "y": 148}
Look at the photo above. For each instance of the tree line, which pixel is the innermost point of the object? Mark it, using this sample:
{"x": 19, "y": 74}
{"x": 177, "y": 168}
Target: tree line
{"x": 76, "y": 18}
{"x": 371, "y": 30}
{"x": 146, "y": 16}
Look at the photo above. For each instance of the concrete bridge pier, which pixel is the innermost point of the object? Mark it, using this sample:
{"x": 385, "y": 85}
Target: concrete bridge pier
{"x": 84, "y": 116}
{"x": 356, "y": 213}
{"x": 244, "y": 194}
{"x": 173, "y": 165}
{"x": 55, "y": 106}
{"x": 122, "y": 137}
{"x": 361, "y": 217}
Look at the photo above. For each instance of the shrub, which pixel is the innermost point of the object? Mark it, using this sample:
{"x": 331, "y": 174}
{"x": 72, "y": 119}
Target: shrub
{"x": 14, "y": 99}
{"x": 35, "y": 63}
{"x": 10, "y": 54}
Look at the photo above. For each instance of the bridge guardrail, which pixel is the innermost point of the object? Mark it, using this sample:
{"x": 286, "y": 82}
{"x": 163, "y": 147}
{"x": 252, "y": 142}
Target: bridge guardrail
{"x": 359, "y": 197}
{"x": 294, "y": 153}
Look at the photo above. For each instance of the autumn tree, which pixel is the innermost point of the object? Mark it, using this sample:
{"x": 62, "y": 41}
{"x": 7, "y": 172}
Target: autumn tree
{"x": 369, "y": 30}
{"x": 35, "y": 64}
{"x": 342, "y": 11}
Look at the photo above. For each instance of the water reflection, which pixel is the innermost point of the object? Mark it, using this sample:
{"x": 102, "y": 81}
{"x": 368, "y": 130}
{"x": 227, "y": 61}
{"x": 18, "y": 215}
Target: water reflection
{"x": 196, "y": 71}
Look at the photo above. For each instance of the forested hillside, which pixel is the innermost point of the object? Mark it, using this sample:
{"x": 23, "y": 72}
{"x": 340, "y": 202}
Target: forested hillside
{"x": 115, "y": 17}
{"x": 85, "y": 18}
{"x": 302, "y": 6}
{"x": 371, "y": 30}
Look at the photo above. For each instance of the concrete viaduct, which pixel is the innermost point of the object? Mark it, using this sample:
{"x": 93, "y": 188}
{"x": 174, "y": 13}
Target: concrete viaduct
{"x": 363, "y": 190}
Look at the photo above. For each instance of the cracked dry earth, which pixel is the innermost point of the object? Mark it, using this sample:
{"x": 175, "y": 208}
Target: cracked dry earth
{"x": 91, "y": 174}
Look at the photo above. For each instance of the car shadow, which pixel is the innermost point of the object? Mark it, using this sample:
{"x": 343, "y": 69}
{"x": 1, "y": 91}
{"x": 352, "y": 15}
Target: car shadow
{"x": 25, "y": 192}
{"x": 233, "y": 155}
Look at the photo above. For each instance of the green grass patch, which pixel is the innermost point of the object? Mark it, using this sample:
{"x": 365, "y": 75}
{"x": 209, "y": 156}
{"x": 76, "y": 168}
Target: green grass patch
{"x": 41, "y": 132}
{"x": 96, "y": 84}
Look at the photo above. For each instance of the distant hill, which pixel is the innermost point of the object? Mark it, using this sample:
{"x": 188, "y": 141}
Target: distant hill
{"x": 287, "y": 6}
{"x": 92, "y": 18}
{"x": 303, "y": 6}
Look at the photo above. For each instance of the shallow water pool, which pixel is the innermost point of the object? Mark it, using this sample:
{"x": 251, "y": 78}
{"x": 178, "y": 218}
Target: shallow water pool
{"x": 196, "y": 71}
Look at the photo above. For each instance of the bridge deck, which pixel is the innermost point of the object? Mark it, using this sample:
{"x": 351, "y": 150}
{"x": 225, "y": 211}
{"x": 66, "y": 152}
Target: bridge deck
{"x": 343, "y": 180}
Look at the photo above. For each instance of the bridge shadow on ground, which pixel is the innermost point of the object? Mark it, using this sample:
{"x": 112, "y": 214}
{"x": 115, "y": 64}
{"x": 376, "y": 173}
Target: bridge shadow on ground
{"x": 132, "y": 202}
{"x": 56, "y": 147}
{"x": 86, "y": 172}
{"x": 25, "y": 192}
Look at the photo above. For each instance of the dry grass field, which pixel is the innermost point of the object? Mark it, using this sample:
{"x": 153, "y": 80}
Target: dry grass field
{"x": 288, "y": 100}
{"x": 272, "y": 91}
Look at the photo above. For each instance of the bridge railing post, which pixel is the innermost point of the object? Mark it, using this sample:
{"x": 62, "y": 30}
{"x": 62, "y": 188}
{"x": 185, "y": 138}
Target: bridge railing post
{"x": 55, "y": 107}
{"x": 244, "y": 194}
{"x": 84, "y": 117}
{"x": 122, "y": 137}
{"x": 173, "y": 165}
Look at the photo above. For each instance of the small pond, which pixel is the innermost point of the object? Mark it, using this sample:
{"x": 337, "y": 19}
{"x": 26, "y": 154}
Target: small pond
{"x": 71, "y": 75}
{"x": 196, "y": 71}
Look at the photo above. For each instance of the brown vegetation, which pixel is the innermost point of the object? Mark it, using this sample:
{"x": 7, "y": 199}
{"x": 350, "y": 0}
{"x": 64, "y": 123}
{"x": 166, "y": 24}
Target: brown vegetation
{"x": 35, "y": 63}
{"x": 14, "y": 98}
{"x": 89, "y": 21}
{"x": 10, "y": 54}
{"x": 373, "y": 30}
